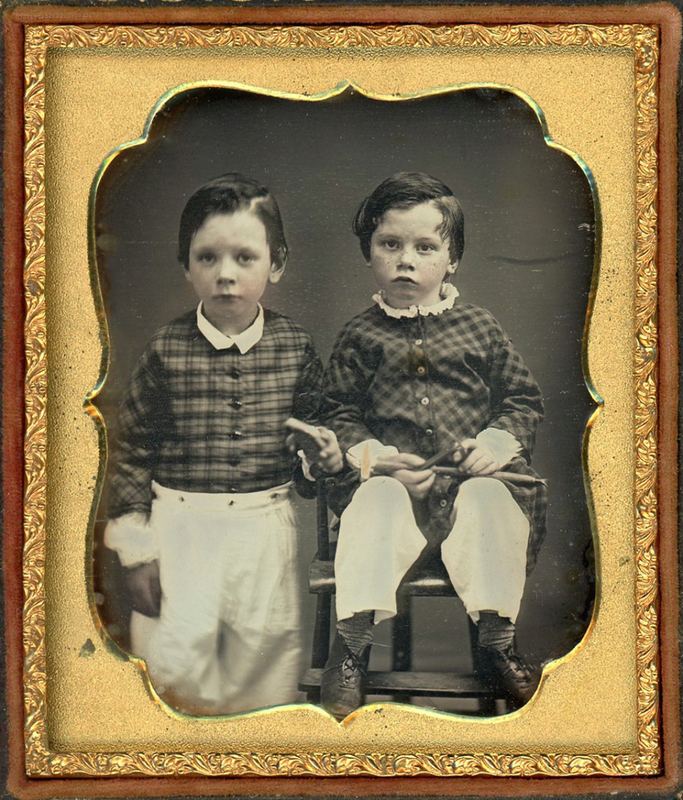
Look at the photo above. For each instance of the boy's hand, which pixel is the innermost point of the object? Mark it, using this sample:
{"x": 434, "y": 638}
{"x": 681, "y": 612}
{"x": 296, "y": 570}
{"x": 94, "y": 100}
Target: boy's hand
{"x": 475, "y": 459}
{"x": 404, "y": 467}
{"x": 330, "y": 458}
{"x": 145, "y": 588}
{"x": 319, "y": 445}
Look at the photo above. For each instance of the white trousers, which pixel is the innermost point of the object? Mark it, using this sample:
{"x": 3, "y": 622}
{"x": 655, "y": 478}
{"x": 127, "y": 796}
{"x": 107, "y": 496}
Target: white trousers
{"x": 379, "y": 540}
{"x": 228, "y": 636}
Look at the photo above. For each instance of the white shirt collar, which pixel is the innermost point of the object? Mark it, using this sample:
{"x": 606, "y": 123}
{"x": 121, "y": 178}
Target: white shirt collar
{"x": 448, "y": 296}
{"x": 243, "y": 341}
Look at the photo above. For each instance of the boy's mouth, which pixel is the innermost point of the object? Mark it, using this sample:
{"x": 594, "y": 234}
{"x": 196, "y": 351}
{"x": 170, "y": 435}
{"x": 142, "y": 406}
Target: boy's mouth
{"x": 403, "y": 279}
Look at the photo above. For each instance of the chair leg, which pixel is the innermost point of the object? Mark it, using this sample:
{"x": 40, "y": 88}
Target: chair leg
{"x": 401, "y": 636}
{"x": 487, "y": 703}
{"x": 321, "y": 631}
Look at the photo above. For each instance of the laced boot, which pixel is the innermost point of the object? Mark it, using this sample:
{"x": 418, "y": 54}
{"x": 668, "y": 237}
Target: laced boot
{"x": 508, "y": 674}
{"x": 342, "y": 689}
{"x": 499, "y": 665}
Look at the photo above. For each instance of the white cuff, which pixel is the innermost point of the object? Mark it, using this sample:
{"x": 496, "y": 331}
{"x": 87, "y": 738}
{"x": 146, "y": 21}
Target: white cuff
{"x": 133, "y": 539}
{"x": 305, "y": 465}
{"x": 365, "y": 455}
{"x": 501, "y": 443}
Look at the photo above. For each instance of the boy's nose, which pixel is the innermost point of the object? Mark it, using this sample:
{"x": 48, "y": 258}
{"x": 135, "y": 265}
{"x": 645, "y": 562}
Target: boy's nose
{"x": 226, "y": 270}
{"x": 407, "y": 259}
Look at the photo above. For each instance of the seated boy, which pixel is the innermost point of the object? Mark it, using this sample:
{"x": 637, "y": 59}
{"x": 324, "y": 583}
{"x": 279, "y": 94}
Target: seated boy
{"x": 416, "y": 375}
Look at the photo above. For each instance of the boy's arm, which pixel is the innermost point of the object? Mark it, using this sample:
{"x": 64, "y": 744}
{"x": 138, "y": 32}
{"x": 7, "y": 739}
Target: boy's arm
{"x": 305, "y": 407}
{"x": 306, "y": 401}
{"x": 345, "y": 392}
{"x": 141, "y": 418}
{"x": 516, "y": 400}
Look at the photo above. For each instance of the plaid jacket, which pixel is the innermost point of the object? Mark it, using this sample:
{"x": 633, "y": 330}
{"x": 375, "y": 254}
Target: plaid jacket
{"x": 200, "y": 419}
{"x": 424, "y": 382}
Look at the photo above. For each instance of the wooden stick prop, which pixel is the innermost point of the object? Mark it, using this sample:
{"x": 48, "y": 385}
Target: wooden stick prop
{"x": 513, "y": 477}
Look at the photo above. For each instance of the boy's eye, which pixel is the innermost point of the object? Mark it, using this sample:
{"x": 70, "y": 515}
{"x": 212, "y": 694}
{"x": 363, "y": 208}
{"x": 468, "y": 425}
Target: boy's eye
{"x": 425, "y": 248}
{"x": 245, "y": 257}
{"x": 205, "y": 257}
{"x": 392, "y": 244}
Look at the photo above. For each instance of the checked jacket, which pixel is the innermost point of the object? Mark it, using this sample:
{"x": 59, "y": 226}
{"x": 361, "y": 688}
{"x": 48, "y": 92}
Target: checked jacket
{"x": 199, "y": 419}
{"x": 422, "y": 383}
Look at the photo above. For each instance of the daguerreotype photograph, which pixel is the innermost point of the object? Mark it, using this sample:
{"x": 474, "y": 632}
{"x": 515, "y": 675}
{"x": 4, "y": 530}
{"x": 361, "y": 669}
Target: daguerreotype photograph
{"x": 338, "y": 365}
{"x": 411, "y": 282}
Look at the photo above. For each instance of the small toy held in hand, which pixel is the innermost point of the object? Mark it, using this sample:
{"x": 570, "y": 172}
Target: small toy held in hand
{"x": 307, "y": 437}
{"x": 387, "y": 466}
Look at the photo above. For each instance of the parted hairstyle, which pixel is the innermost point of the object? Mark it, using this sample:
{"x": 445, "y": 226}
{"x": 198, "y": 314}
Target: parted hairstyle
{"x": 225, "y": 195}
{"x": 404, "y": 190}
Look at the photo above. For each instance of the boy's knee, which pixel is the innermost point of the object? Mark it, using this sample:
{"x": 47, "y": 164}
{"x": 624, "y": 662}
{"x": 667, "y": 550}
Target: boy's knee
{"x": 482, "y": 489}
{"x": 385, "y": 490}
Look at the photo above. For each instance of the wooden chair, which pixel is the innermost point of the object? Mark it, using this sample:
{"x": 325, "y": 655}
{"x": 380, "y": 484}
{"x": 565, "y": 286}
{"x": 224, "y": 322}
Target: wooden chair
{"x": 402, "y": 682}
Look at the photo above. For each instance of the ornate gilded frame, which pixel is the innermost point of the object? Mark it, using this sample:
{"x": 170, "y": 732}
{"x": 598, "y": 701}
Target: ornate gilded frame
{"x": 642, "y": 40}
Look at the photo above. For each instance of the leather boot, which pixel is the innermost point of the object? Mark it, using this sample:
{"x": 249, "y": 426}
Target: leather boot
{"x": 508, "y": 674}
{"x": 342, "y": 689}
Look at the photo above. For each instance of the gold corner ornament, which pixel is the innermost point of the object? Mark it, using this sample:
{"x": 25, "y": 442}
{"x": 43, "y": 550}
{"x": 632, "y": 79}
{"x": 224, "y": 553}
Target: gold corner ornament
{"x": 643, "y": 40}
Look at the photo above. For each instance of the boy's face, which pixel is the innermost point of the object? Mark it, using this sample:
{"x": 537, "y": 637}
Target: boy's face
{"x": 230, "y": 266}
{"x": 408, "y": 256}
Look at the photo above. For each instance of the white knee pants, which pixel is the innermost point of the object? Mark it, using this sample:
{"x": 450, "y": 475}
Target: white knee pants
{"x": 228, "y": 637}
{"x": 484, "y": 554}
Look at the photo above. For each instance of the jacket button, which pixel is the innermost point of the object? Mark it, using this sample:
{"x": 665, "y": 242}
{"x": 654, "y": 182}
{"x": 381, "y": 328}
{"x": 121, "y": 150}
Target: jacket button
{"x": 421, "y": 370}
{"x": 236, "y": 435}
{"x": 418, "y": 342}
{"x": 443, "y": 503}
{"x": 235, "y": 373}
{"x": 429, "y": 432}
{"x": 425, "y": 401}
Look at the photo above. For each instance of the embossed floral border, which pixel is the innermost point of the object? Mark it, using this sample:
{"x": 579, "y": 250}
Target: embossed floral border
{"x": 40, "y": 761}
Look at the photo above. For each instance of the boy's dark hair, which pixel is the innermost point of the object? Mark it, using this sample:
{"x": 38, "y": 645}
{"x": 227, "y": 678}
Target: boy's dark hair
{"x": 225, "y": 195}
{"x": 404, "y": 190}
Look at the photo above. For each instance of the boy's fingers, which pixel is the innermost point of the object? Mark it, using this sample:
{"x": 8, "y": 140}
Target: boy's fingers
{"x": 328, "y": 436}
{"x": 424, "y": 476}
{"x": 416, "y": 478}
{"x": 478, "y": 458}
{"x": 471, "y": 461}
{"x": 490, "y": 469}
{"x": 388, "y": 465}
{"x": 430, "y": 480}
{"x": 410, "y": 459}
{"x": 422, "y": 489}
{"x": 462, "y": 453}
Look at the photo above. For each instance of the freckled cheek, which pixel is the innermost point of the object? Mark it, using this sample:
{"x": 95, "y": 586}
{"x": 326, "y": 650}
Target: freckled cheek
{"x": 381, "y": 264}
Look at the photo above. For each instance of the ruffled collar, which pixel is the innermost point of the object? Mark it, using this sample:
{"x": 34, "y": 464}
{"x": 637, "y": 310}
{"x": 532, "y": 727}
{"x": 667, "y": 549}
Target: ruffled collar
{"x": 448, "y": 296}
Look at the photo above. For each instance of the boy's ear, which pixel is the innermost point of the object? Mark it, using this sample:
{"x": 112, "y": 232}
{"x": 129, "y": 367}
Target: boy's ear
{"x": 187, "y": 274}
{"x": 450, "y": 269}
{"x": 276, "y": 270}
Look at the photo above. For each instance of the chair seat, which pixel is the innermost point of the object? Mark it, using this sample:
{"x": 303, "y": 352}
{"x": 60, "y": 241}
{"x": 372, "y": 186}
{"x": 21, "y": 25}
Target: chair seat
{"x": 415, "y": 684}
{"x": 430, "y": 580}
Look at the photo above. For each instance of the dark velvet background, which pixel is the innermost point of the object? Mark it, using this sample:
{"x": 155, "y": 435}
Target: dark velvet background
{"x": 529, "y": 230}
